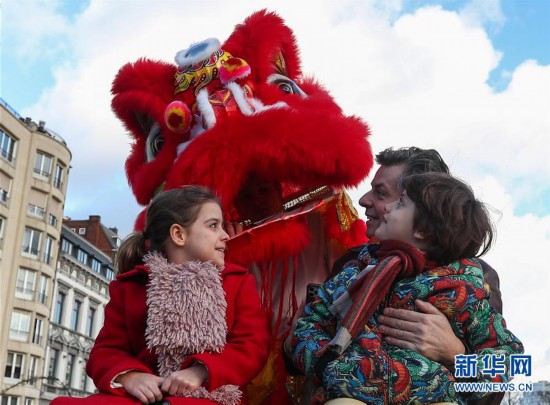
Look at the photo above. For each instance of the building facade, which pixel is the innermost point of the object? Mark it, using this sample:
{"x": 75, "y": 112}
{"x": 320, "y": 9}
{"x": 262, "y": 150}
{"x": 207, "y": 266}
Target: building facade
{"x": 105, "y": 239}
{"x": 34, "y": 168}
{"x": 80, "y": 295}
{"x": 539, "y": 396}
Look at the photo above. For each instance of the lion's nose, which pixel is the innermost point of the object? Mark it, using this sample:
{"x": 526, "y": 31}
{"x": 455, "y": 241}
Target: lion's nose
{"x": 224, "y": 104}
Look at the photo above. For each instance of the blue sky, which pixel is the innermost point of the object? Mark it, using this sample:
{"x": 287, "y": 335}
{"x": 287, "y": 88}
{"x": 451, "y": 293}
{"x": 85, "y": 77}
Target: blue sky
{"x": 518, "y": 29}
{"x": 468, "y": 78}
{"x": 520, "y": 32}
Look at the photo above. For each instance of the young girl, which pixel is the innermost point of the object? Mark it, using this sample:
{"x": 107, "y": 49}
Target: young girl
{"x": 179, "y": 327}
{"x": 436, "y": 221}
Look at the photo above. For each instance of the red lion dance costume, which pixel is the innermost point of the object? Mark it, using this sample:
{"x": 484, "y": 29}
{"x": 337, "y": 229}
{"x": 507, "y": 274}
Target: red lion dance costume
{"x": 241, "y": 108}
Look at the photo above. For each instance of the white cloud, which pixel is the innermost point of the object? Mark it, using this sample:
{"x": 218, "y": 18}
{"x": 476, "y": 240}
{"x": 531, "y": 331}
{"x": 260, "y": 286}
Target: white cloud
{"x": 521, "y": 243}
{"x": 418, "y": 79}
{"x": 480, "y": 12}
{"x": 36, "y": 27}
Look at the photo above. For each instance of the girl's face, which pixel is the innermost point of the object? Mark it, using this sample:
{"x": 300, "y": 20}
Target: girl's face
{"x": 205, "y": 239}
{"x": 397, "y": 223}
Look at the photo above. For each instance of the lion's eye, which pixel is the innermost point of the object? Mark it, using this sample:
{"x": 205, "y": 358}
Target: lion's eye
{"x": 155, "y": 141}
{"x": 287, "y": 85}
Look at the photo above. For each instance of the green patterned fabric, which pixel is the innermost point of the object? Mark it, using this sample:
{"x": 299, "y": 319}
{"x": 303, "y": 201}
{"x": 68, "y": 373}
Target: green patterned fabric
{"x": 374, "y": 372}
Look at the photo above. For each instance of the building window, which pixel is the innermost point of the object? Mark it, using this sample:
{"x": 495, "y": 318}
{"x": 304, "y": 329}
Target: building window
{"x": 69, "y": 369}
{"x": 37, "y": 333}
{"x": 76, "y": 314}
{"x": 29, "y": 401}
{"x": 7, "y": 147}
{"x": 96, "y": 265}
{"x": 14, "y": 365}
{"x": 52, "y": 367}
{"x": 3, "y": 195}
{"x": 19, "y": 326}
{"x": 52, "y": 220}
{"x": 33, "y": 369}
{"x": 43, "y": 290}
{"x": 5, "y": 186}
{"x": 26, "y": 284}
{"x": 66, "y": 247}
{"x": 10, "y": 400}
{"x": 43, "y": 165}
{"x": 31, "y": 242}
{"x": 82, "y": 231}
{"x": 90, "y": 321}
{"x": 109, "y": 274}
{"x": 48, "y": 248}
{"x": 36, "y": 211}
{"x": 82, "y": 256}
{"x": 59, "y": 304}
{"x": 58, "y": 177}
{"x": 2, "y": 224}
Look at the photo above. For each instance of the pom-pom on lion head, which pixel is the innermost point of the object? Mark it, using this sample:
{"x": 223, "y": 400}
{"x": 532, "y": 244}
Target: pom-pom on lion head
{"x": 228, "y": 113}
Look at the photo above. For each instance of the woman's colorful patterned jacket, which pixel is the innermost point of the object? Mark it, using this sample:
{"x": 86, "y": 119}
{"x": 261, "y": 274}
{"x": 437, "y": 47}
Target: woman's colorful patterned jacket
{"x": 373, "y": 371}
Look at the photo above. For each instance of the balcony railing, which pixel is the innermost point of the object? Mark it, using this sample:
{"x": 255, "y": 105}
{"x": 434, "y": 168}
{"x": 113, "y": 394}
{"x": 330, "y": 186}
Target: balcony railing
{"x": 3, "y": 196}
{"x": 19, "y": 335}
{"x": 57, "y": 183}
{"x": 24, "y": 293}
{"x": 47, "y": 258}
{"x": 42, "y": 297}
{"x": 36, "y": 211}
{"x": 30, "y": 251}
{"x": 7, "y": 156}
{"x": 52, "y": 220}
{"x": 42, "y": 173}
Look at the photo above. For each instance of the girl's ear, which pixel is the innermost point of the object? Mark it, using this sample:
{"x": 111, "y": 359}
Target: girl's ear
{"x": 178, "y": 234}
{"x": 419, "y": 235}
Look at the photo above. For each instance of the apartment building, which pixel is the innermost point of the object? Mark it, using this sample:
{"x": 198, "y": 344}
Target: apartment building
{"x": 34, "y": 167}
{"x": 80, "y": 295}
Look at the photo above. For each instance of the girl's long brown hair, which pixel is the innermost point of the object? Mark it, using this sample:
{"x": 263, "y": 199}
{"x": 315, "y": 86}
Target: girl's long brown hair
{"x": 178, "y": 206}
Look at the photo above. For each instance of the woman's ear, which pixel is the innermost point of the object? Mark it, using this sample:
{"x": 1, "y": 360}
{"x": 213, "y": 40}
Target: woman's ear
{"x": 422, "y": 239}
{"x": 178, "y": 234}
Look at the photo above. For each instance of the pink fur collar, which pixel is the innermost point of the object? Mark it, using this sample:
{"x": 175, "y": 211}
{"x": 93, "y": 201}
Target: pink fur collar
{"x": 186, "y": 315}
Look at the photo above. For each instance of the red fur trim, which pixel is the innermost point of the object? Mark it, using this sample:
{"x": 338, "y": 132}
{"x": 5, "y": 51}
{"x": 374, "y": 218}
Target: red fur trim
{"x": 308, "y": 144}
{"x": 139, "y": 225}
{"x": 288, "y": 145}
{"x": 143, "y": 87}
{"x": 258, "y": 39}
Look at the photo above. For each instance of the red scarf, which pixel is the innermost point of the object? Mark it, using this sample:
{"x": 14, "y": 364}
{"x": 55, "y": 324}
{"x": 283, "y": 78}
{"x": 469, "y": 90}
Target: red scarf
{"x": 397, "y": 260}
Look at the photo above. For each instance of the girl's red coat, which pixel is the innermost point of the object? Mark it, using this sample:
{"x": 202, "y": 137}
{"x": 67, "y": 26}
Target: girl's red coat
{"x": 121, "y": 346}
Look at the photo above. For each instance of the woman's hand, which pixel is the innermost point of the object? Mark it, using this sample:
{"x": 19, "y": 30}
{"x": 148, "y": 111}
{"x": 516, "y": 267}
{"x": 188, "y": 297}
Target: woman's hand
{"x": 428, "y": 333}
{"x": 143, "y": 386}
{"x": 188, "y": 379}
